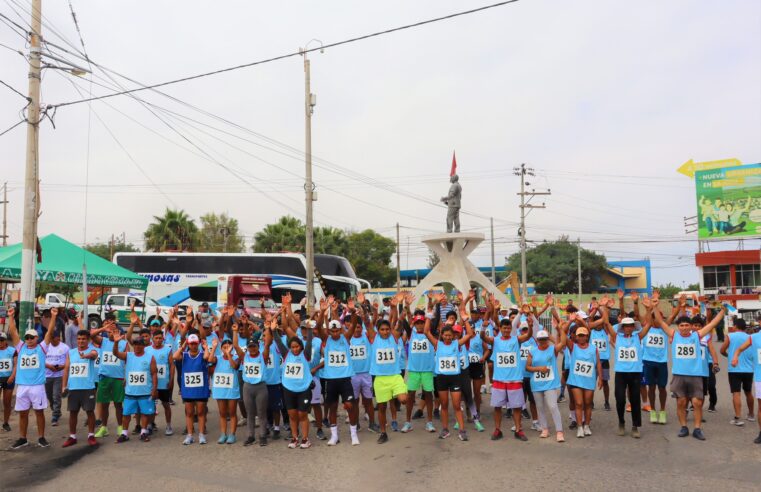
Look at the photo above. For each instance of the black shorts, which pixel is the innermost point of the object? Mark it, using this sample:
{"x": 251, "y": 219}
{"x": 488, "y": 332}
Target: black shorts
{"x": 81, "y": 400}
{"x": 527, "y": 389}
{"x": 323, "y": 388}
{"x": 165, "y": 396}
{"x": 338, "y": 387}
{"x": 476, "y": 370}
{"x": 740, "y": 380}
{"x": 300, "y": 401}
{"x": 195, "y": 400}
{"x": 448, "y": 382}
{"x": 5, "y": 385}
{"x": 274, "y": 397}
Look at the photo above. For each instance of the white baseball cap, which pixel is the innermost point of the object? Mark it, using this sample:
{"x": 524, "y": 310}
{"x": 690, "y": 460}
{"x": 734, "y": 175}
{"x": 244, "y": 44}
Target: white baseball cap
{"x": 334, "y": 324}
{"x": 30, "y": 333}
{"x": 193, "y": 338}
{"x": 542, "y": 334}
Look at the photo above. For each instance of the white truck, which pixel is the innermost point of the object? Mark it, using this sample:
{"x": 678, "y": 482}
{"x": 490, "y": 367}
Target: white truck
{"x": 118, "y": 304}
{"x": 52, "y": 300}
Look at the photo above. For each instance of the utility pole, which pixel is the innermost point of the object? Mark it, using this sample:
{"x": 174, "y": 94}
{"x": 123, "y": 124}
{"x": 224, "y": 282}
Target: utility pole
{"x": 5, "y": 214}
{"x": 310, "y": 100}
{"x": 493, "y": 270}
{"x": 398, "y": 272}
{"x": 111, "y": 248}
{"x": 524, "y": 171}
{"x": 31, "y": 175}
{"x": 578, "y": 256}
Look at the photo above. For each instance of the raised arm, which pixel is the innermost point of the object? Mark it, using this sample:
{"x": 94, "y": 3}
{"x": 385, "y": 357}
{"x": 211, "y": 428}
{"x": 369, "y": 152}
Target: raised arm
{"x": 708, "y": 328}
{"x": 563, "y": 338}
{"x": 236, "y": 346}
{"x": 51, "y": 325}
{"x": 118, "y": 353}
{"x": 12, "y": 330}
{"x": 353, "y": 320}
{"x": 427, "y": 332}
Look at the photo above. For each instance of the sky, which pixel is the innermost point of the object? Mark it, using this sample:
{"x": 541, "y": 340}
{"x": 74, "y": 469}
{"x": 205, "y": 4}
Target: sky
{"x": 604, "y": 99}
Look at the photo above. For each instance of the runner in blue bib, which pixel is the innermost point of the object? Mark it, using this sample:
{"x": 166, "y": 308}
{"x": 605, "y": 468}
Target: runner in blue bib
{"x": 585, "y": 372}
{"x": 545, "y": 381}
{"x": 194, "y": 383}
{"x": 225, "y": 387}
{"x": 79, "y": 387}
{"x": 140, "y": 386}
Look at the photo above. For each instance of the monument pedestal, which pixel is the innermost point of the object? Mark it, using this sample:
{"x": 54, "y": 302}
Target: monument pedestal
{"x": 454, "y": 267}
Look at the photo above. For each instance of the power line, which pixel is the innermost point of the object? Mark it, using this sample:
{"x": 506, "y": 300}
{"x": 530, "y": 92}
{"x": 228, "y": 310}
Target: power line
{"x": 297, "y": 53}
{"x": 12, "y": 127}
{"x": 14, "y": 90}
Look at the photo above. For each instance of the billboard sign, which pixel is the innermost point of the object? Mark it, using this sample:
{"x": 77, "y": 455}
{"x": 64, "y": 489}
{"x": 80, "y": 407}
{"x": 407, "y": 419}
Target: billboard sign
{"x": 729, "y": 202}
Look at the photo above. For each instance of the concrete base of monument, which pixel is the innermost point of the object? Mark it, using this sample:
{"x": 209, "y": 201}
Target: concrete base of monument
{"x": 454, "y": 267}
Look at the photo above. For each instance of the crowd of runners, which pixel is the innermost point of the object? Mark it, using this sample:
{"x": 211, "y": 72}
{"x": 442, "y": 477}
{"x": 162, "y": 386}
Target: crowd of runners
{"x": 280, "y": 370}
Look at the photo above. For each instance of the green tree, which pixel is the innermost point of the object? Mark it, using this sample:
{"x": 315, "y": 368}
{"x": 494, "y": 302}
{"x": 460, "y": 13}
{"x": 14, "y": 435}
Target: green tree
{"x": 287, "y": 234}
{"x": 370, "y": 255}
{"x": 330, "y": 241}
{"x": 552, "y": 266}
{"x": 104, "y": 249}
{"x": 68, "y": 290}
{"x": 219, "y": 233}
{"x": 669, "y": 290}
{"x": 174, "y": 231}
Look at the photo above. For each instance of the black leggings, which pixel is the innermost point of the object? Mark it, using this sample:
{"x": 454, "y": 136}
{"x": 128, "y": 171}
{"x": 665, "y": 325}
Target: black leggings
{"x": 630, "y": 381}
{"x": 709, "y": 387}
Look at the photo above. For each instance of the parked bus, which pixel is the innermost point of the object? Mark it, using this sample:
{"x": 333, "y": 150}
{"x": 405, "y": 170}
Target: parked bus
{"x": 192, "y": 278}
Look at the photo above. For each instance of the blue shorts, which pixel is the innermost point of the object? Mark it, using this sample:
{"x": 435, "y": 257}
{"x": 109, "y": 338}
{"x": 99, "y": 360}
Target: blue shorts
{"x": 144, "y": 405}
{"x": 655, "y": 373}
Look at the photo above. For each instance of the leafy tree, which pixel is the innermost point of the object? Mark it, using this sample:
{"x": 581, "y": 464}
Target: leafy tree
{"x": 669, "y": 290}
{"x": 219, "y": 233}
{"x": 287, "y": 234}
{"x": 330, "y": 241}
{"x": 433, "y": 258}
{"x": 104, "y": 249}
{"x": 370, "y": 255}
{"x": 174, "y": 231}
{"x": 67, "y": 290}
{"x": 552, "y": 266}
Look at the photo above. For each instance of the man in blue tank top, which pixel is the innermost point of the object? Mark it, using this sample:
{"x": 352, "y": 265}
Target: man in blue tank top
{"x": 162, "y": 353}
{"x": 29, "y": 377}
{"x": 79, "y": 387}
{"x": 140, "y": 386}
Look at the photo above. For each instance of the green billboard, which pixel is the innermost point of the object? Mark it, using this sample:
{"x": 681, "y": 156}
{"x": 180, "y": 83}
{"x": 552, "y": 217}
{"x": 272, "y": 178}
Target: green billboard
{"x": 729, "y": 202}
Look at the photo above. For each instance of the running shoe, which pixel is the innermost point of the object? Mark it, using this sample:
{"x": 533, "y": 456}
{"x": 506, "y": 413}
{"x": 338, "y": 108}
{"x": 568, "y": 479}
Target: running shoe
{"x": 6, "y": 427}
{"x": 201, "y": 438}
{"x": 91, "y": 441}
{"x": 407, "y": 427}
{"x": 354, "y": 440}
{"x": 750, "y": 418}
{"x": 145, "y": 437}
{"x": 333, "y": 441}
{"x": 242, "y": 421}
{"x": 606, "y": 407}
{"x": 560, "y": 437}
{"x": 19, "y": 443}
{"x": 635, "y": 432}
{"x": 136, "y": 430}
{"x": 70, "y": 441}
{"x": 436, "y": 413}
{"x": 429, "y": 427}
{"x": 122, "y": 438}
{"x": 276, "y": 435}
{"x": 737, "y": 421}
{"x": 621, "y": 430}
{"x": 249, "y": 441}
{"x": 320, "y": 434}
{"x": 325, "y": 422}
{"x": 712, "y": 409}
{"x": 456, "y": 425}
{"x": 417, "y": 415}
{"x": 294, "y": 443}
{"x": 580, "y": 433}
{"x": 394, "y": 426}
{"x": 222, "y": 439}
{"x": 188, "y": 440}
{"x": 698, "y": 434}
{"x": 231, "y": 439}
{"x": 444, "y": 434}
{"x": 684, "y": 431}
{"x": 628, "y": 407}
{"x": 647, "y": 408}
{"x": 662, "y": 417}
{"x": 479, "y": 425}
{"x": 496, "y": 435}
{"x": 119, "y": 429}
{"x": 462, "y": 435}
{"x": 573, "y": 424}
{"x": 102, "y": 432}
{"x": 561, "y": 398}
{"x": 54, "y": 422}
{"x": 758, "y": 439}
{"x": 525, "y": 414}
{"x": 520, "y": 435}
{"x": 383, "y": 437}
{"x": 169, "y": 431}
{"x": 545, "y": 434}
{"x": 374, "y": 427}
{"x": 587, "y": 431}
{"x": 262, "y": 441}
{"x": 535, "y": 426}
{"x": 305, "y": 444}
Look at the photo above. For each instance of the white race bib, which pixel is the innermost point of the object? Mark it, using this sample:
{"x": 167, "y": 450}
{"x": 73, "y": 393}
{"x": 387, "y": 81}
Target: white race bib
{"x": 193, "y": 379}
{"x": 270, "y": 362}
{"x": 337, "y": 359}
{"x": 447, "y": 364}
{"x": 385, "y": 356}
{"x": 627, "y": 354}
{"x": 474, "y": 358}
{"x": 137, "y": 378}
{"x": 109, "y": 359}
{"x": 600, "y": 344}
{"x": 30, "y": 361}
{"x": 655, "y": 341}
{"x": 759, "y": 356}
{"x": 684, "y": 351}
{"x": 79, "y": 370}
{"x": 5, "y": 365}
{"x": 358, "y": 352}
{"x": 506, "y": 359}
{"x": 223, "y": 380}
{"x": 525, "y": 351}
{"x": 162, "y": 370}
{"x": 252, "y": 369}
{"x": 419, "y": 347}
{"x": 294, "y": 370}
{"x": 545, "y": 376}
{"x": 583, "y": 368}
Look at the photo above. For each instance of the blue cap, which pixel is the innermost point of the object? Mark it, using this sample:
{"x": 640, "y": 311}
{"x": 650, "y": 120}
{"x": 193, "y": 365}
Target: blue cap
{"x": 155, "y": 322}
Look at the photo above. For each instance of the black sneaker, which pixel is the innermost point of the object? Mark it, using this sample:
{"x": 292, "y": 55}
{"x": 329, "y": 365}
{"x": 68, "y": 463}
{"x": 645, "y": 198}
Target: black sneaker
{"x": 122, "y": 438}
{"x": 712, "y": 409}
{"x": 6, "y": 427}
{"x": 573, "y": 424}
{"x": 249, "y": 441}
{"x": 698, "y": 434}
{"x": 607, "y": 406}
{"x": 561, "y": 398}
{"x": 276, "y": 434}
{"x": 320, "y": 434}
{"x": 417, "y": 415}
{"x": 684, "y": 432}
{"x": 98, "y": 423}
{"x": 43, "y": 443}
{"x": 262, "y": 441}
{"x": 758, "y": 439}
{"x": 525, "y": 414}
{"x": 20, "y": 443}
{"x": 382, "y": 438}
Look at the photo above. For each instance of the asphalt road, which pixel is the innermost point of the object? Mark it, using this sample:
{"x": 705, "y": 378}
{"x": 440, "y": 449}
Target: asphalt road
{"x": 727, "y": 460}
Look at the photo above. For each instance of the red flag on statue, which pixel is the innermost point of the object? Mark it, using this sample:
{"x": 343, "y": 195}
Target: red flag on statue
{"x": 454, "y": 165}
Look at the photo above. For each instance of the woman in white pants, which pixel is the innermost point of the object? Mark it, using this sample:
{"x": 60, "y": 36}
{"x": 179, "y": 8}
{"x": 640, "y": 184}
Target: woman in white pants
{"x": 545, "y": 381}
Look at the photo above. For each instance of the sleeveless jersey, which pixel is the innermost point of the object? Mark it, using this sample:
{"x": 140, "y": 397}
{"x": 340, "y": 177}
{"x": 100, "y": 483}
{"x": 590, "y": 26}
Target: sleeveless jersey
{"x": 272, "y": 372}
{"x": 337, "y": 359}
{"x": 194, "y": 383}
{"x": 80, "y": 371}
{"x": 583, "y": 372}
{"x": 6, "y": 361}
{"x": 628, "y": 353}
{"x": 601, "y": 341}
{"x": 421, "y": 357}
{"x": 253, "y": 368}
{"x": 446, "y": 358}
{"x": 110, "y": 365}
{"x": 686, "y": 356}
{"x": 30, "y": 365}
{"x": 544, "y": 381}
{"x": 655, "y": 346}
{"x": 162, "y": 357}
{"x": 138, "y": 381}
{"x": 296, "y": 373}
{"x": 525, "y": 350}
{"x": 225, "y": 384}
{"x": 508, "y": 366}
{"x": 745, "y": 362}
{"x": 385, "y": 359}
{"x": 359, "y": 349}
{"x": 755, "y": 352}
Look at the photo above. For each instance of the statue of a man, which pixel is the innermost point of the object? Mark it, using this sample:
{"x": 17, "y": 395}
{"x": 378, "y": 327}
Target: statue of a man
{"x": 452, "y": 201}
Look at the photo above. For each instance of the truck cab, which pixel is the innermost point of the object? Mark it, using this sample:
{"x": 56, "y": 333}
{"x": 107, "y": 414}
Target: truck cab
{"x": 250, "y": 293}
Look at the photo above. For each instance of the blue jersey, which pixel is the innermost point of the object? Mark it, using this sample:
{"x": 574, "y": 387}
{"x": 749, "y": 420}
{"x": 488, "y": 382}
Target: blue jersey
{"x": 162, "y": 356}
{"x": 566, "y": 359}
{"x": 360, "y": 354}
{"x": 253, "y": 368}
{"x": 30, "y": 365}
{"x": 225, "y": 386}
{"x": 214, "y": 336}
{"x": 110, "y": 365}
{"x": 272, "y": 372}
{"x": 755, "y": 352}
{"x": 194, "y": 383}
{"x": 337, "y": 359}
{"x": 464, "y": 361}
{"x": 549, "y": 380}
{"x": 385, "y": 359}
{"x": 583, "y": 371}
{"x": 525, "y": 350}
{"x": 601, "y": 341}
{"x": 6, "y": 361}
{"x": 401, "y": 350}
{"x": 476, "y": 348}
{"x": 138, "y": 380}
{"x": 686, "y": 355}
{"x": 172, "y": 341}
{"x": 446, "y": 358}
{"x": 296, "y": 373}
{"x": 81, "y": 371}
{"x": 628, "y": 353}
{"x": 745, "y": 362}
{"x": 96, "y": 363}
{"x": 421, "y": 357}
{"x": 655, "y": 346}
{"x": 508, "y": 366}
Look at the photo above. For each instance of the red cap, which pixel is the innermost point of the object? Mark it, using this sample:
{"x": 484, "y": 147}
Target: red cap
{"x": 417, "y": 318}
{"x": 457, "y": 328}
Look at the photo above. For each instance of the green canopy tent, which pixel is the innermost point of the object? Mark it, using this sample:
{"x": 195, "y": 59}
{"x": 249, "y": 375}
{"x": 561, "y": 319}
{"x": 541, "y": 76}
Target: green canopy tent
{"x": 62, "y": 264}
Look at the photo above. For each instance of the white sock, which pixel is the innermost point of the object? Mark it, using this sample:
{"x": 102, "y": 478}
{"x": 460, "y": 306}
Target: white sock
{"x": 353, "y": 429}
{"x": 334, "y": 432}
{"x": 74, "y": 436}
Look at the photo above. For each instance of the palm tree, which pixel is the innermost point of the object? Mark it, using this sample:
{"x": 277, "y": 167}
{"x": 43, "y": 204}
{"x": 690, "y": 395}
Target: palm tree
{"x": 287, "y": 234}
{"x": 330, "y": 241}
{"x": 175, "y": 231}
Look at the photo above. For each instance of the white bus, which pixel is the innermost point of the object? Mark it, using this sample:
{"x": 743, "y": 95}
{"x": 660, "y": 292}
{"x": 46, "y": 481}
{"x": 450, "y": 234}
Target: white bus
{"x": 192, "y": 278}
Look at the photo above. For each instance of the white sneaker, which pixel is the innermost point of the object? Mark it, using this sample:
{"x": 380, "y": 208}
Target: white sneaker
{"x": 169, "y": 431}
{"x": 188, "y": 440}
{"x": 579, "y": 432}
{"x": 751, "y": 418}
{"x": 535, "y": 426}
{"x": 737, "y": 422}
{"x": 333, "y": 441}
{"x": 587, "y": 431}
{"x": 512, "y": 429}
{"x": 354, "y": 440}
{"x": 201, "y": 438}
